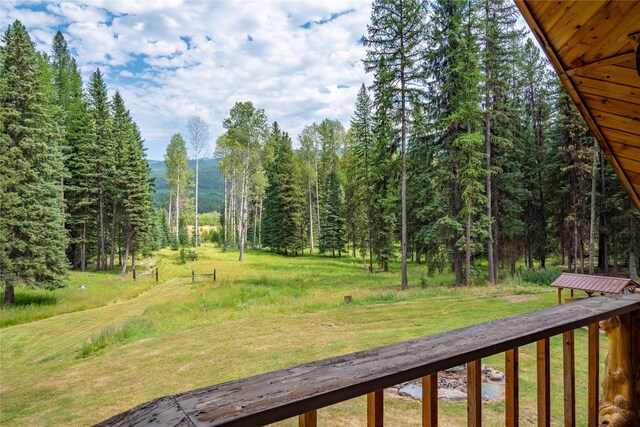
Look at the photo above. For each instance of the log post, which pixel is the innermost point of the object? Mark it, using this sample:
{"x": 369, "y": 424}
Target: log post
{"x": 193, "y": 276}
{"x": 214, "y": 274}
{"x": 156, "y": 274}
{"x": 133, "y": 269}
{"x": 620, "y": 403}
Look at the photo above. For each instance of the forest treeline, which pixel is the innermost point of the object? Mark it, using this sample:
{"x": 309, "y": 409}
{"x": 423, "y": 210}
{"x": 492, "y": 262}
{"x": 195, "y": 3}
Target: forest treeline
{"x": 464, "y": 148}
{"x": 74, "y": 179}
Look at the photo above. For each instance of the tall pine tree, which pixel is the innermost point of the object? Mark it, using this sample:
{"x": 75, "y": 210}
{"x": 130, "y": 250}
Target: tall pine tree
{"x": 395, "y": 38}
{"x": 31, "y": 170}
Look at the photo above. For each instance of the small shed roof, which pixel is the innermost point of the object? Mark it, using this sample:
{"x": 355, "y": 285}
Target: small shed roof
{"x": 587, "y": 283}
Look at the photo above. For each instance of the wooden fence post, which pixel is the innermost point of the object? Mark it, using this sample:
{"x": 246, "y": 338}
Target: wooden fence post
{"x": 308, "y": 419}
{"x": 156, "y": 274}
{"x": 134, "y": 272}
{"x": 474, "y": 393}
{"x": 512, "y": 409}
{"x": 375, "y": 409}
{"x": 544, "y": 383}
{"x": 214, "y": 274}
{"x": 594, "y": 371}
{"x": 430, "y": 401}
{"x": 568, "y": 356}
{"x": 193, "y": 276}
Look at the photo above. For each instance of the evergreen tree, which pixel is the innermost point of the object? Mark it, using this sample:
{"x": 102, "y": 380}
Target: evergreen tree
{"x": 284, "y": 208}
{"x": 334, "y": 228}
{"x": 361, "y": 176}
{"x": 453, "y": 214}
{"x": 395, "y": 35}
{"x": 536, "y": 115}
{"x": 103, "y": 161}
{"x": 384, "y": 171}
{"x": 31, "y": 171}
{"x": 78, "y": 131}
{"x": 132, "y": 195}
{"x": 498, "y": 56}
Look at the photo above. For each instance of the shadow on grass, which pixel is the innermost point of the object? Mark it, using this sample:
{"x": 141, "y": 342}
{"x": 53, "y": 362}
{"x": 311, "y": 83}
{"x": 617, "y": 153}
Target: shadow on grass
{"x": 26, "y": 298}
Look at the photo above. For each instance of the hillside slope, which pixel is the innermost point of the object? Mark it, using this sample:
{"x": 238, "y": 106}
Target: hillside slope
{"x": 211, "y": 190}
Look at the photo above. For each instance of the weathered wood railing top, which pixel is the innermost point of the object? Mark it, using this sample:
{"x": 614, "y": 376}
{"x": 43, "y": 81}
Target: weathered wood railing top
{"x": 274, "y": 396}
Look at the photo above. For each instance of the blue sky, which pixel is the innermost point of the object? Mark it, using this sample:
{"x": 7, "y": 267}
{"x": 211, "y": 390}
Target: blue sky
{"x": 298, "y": 60}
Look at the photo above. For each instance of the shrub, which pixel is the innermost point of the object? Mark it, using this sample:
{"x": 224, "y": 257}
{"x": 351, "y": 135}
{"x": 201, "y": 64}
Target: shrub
{"x": 540, "y": 276}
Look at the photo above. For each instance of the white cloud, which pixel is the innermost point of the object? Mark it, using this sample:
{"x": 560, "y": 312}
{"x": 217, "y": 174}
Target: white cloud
{"x": 171, "y": 59}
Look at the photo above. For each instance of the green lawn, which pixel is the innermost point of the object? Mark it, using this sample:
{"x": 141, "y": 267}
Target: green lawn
{"x": 77, "y": 356}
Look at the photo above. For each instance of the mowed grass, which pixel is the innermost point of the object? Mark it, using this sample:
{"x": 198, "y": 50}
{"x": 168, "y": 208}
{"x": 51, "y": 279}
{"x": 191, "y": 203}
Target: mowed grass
{"x": 77, "y": 356}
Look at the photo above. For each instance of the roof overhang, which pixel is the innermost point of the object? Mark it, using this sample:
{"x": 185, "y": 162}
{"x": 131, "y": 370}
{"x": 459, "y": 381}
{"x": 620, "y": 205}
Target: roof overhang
{"x": 592, "y": 46}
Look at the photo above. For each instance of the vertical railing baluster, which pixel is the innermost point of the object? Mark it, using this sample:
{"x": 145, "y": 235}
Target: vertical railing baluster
{"x": 594, "y": 372}
{"x": 568, "y": 357}
{"x": 308, "y": 419}
{"x": 511, "y": 372}
{"x": 474, "y": 393}
{"x": 375, "y": 408}
{"x": 430, "y": 401}
{"x": 544, "y": 378}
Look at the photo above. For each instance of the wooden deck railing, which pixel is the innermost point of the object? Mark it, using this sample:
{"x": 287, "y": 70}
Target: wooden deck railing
{"x": 301, "y": 390}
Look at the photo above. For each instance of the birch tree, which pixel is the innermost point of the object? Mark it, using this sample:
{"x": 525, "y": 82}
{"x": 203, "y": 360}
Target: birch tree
{"x": 199, "y": 140}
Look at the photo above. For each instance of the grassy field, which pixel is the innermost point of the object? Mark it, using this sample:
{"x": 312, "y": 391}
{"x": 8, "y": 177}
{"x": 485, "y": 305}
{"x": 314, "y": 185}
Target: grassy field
{"x": 76, "y": 356}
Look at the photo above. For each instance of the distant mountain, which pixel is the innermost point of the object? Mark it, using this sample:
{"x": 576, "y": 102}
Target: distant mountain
{"x": 211, "y": 189}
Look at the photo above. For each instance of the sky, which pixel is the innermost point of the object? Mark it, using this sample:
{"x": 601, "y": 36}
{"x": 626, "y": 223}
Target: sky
{"x": 300, "y": 61}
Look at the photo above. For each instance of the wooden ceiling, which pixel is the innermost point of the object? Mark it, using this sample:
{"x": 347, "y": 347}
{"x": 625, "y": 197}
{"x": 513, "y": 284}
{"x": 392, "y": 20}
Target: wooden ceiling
{"x": 592, "y": 48}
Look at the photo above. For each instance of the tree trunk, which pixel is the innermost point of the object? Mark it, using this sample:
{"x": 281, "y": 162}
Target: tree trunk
{"x": 318, "y": 201}
{"x": 255, "y": 225}
{"x": 403, "y": 187}
{"x": 195, "y": 231}
{"x": 496, "y": 238}
{"x": 592, "y": 223}
{"x": 9, "y": 292}
{"x": 226, "y": 209}
{"x": 112, "y": 255}
{"x": 467, "y": 272}
{"x": 243, "y": 215}
{"x": 575, "y": 246}
{"x": 457, "y": 267}
{"x": 83, "y": 248}
{"x": 170, "y": 209}
{"x": 487, "y": 141}
{"x": 603, "y": 252}
{"x": 353, "y": 233}
{"x": 310, "y": 210}
{"x": 101, "y": 258}
{"x": 260, "y": 227}
{"x": 633, "y": 246}
{"x": 581, "y": 249}
{"x": 177, "y": 211}
{"x": 232, "y": 200}
{"x": 127, "y": 245}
